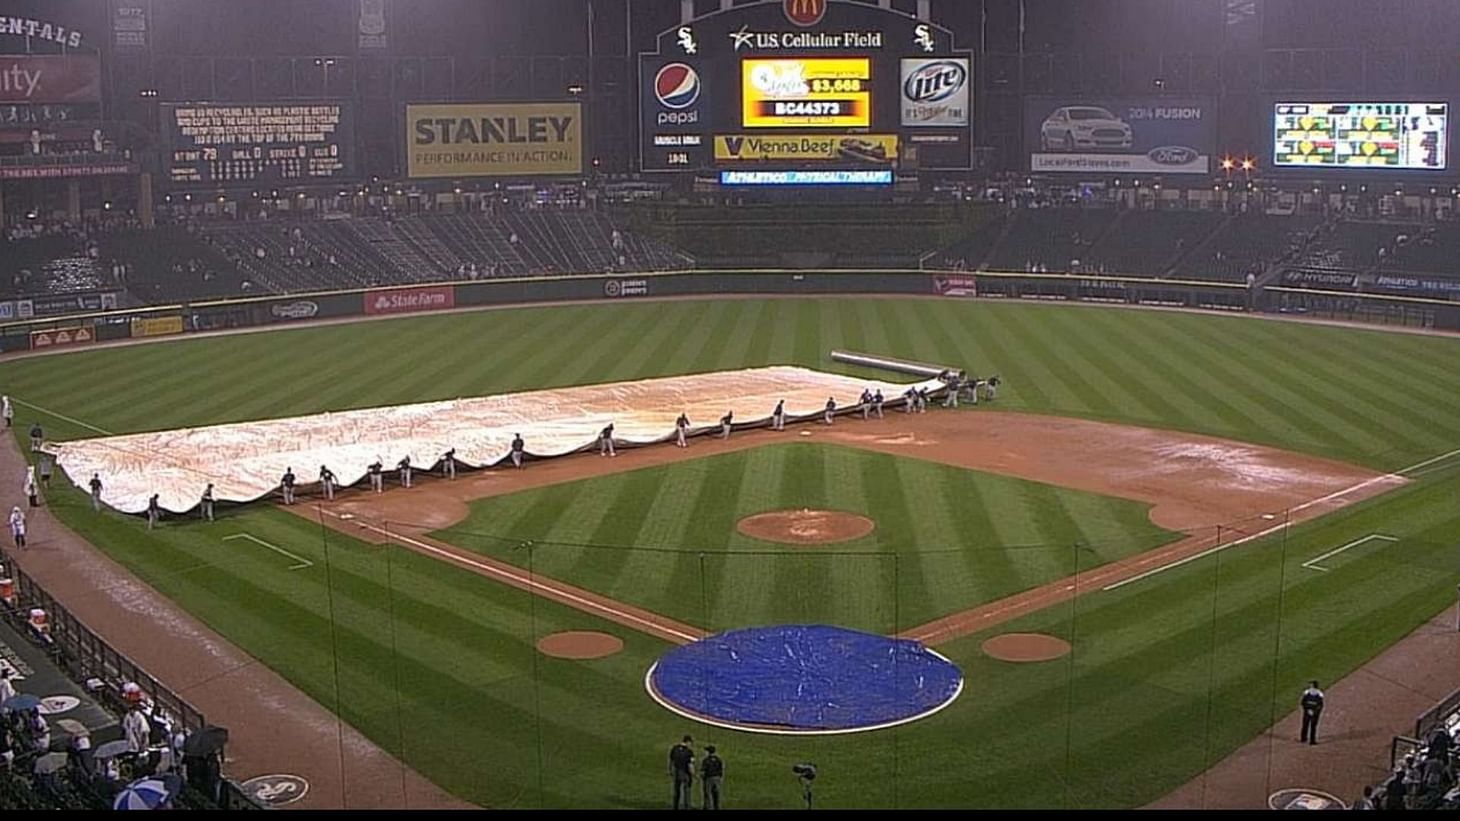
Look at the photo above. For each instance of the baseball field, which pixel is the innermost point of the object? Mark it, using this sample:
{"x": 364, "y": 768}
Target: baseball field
{"x": 1126, "y": 494}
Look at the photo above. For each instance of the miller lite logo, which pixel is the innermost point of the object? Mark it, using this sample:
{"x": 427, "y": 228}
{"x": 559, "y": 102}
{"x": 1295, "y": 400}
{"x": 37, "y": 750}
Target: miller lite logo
{"x": 804, "y": 12}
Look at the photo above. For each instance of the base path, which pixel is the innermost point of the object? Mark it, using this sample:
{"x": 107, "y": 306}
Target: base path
{"x": 1361, "y": 715}
{"x": 272, "y": 726}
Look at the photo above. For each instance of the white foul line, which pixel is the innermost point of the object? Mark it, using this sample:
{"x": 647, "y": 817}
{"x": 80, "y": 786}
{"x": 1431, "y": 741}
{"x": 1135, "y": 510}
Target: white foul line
{"x": 64, "y": 418}
{"x": 531, "y": 583}
{"x": 1387, "y": 477}
{"x": 1312, "y": 564}
{"x": 302, "y": 562}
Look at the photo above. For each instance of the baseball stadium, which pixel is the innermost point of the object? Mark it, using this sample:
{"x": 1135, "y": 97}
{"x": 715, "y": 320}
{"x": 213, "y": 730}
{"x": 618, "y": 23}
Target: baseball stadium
{"x": 745, "y": 404}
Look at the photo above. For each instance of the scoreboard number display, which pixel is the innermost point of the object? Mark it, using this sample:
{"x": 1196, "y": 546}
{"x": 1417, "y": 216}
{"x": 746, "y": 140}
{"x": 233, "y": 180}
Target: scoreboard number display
{"x": 1362, "y": 135}
{"x": 218, "y": 144}
{"x": 809, "y": 92}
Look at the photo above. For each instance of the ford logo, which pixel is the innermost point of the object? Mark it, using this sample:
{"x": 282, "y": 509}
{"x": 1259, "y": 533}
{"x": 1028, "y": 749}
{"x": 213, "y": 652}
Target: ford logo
{"x": 1172, "y": 155}
{"x": 935, "y": 81}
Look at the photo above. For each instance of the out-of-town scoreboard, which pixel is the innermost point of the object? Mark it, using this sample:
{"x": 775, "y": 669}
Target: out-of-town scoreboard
{"x": 1388, "y": 135}
{"x": 277, "y": 143}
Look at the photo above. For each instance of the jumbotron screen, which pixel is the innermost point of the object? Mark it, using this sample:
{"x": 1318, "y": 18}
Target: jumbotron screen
{"x": 267, "y": 142}
{"x": 821, "y": 92}
{"x": 1361, "y": 135}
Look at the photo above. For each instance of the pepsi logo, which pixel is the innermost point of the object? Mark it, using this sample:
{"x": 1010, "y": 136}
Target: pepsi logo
{"x": 677, "y": 86}
{"x": 935, "y": 81}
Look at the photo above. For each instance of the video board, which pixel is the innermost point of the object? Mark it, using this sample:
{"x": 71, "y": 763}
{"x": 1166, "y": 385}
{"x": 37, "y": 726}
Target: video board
{"x": 1387, "y": 135}
{"x": 265, "y": 143}
{"x": 809, "y": 85}
{"x": 806, "y": 92}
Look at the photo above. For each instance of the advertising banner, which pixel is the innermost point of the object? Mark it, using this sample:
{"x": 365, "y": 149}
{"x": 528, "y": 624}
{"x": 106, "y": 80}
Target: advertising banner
{"x": 61, "y": 338}
{"x": 615, "y": 288}
{"x": 960, "y": 285}
{"x": 935, "y": 92}
{"x": 494, "y": 140}
{"x": 821, "y": 91}
{"x": 50, "y": 78}
{"x": 129, "y": 24}
{"x": 58, "y": 305}
{"x": 1120, "y": 135}
{"x": 867, "y": 148}
{"x": 157, "y": 326}
{"x": 410, "y": 300}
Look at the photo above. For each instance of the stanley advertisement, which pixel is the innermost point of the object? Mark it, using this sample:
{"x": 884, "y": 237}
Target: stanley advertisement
{"x": 493, "y": 140}
{"x": 821, "y": 148}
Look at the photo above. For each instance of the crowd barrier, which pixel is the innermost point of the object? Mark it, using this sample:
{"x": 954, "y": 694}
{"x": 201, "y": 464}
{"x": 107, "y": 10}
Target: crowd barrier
{"x": 88, "y": 328}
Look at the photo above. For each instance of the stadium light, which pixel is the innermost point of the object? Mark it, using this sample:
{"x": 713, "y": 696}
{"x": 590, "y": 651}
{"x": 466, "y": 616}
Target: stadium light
{"x": 106, "y": 206}
{"x": 1227, "y": 164}
{"x": 1247, "y": 164}
{"x": 575, "y": 89}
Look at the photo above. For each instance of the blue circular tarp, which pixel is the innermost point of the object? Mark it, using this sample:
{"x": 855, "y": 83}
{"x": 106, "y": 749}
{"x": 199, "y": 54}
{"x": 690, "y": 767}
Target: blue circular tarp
{"x": 804, "y": 679}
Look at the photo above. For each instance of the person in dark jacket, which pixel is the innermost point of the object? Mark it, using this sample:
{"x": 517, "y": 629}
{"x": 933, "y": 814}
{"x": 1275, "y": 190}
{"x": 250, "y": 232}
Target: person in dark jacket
{"x": 1312, "y": 704}
{"x": 682, "y": 770}
{"x": 712, "y": 774}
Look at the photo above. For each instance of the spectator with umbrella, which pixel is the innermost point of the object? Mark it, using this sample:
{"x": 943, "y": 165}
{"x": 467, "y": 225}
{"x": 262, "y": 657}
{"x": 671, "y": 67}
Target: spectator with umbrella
{"x": 148, "y": 794}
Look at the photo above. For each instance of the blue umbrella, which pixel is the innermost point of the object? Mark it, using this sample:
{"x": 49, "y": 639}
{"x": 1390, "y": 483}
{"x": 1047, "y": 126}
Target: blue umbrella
{"x": 145, "y": 794}
{"x": 24, "y": 701}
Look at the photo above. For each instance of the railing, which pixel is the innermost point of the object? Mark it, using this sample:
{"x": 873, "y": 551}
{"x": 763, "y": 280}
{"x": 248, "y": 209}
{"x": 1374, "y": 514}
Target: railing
{"x": 1435, "y": 715}
{"x": 86, "y": 656}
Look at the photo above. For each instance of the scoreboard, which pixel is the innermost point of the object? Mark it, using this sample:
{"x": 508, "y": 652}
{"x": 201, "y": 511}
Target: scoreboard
{"x": 1387, "y": 135}
{"x": 765, "y": 86}
{"x": 280, "y": 143}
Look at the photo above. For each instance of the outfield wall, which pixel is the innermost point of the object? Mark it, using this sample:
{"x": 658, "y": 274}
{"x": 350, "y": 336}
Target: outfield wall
{"x": 91, "y": 328}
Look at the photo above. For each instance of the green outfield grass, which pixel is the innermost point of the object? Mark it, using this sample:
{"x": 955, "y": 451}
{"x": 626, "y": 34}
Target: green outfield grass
{"x": 664, "y": 538}
{"x": 1169, "y": 674}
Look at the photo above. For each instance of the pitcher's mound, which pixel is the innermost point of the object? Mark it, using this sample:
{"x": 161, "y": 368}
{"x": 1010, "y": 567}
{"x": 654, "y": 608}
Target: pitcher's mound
{"x": 806, "y": 526}
{"x": 579, "y": 644}
{"x": 1025, "y": 647}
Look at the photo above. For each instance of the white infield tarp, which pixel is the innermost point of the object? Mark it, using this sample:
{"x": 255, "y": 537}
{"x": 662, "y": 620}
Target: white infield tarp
{"x": 245, "y": 460}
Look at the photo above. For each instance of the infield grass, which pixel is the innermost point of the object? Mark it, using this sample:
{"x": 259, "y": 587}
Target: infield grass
{"x": 1169, "y": 674}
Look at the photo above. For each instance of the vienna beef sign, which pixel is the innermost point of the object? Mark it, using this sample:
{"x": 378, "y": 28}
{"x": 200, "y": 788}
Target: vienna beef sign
{"x": 494, "y": 140}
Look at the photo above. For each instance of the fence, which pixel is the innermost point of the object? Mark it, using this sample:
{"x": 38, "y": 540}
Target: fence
{"x": 87, "y": 657}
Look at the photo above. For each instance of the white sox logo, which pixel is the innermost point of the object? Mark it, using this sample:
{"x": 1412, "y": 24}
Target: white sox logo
{"x": 276, "y": 790}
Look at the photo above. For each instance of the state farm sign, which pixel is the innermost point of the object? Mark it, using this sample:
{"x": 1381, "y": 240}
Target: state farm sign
{"x": 408, "y": 301}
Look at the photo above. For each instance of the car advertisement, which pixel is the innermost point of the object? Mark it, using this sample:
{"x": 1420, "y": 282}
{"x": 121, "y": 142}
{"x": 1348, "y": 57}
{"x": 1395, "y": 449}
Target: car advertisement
{"x": 857, "y": 148}
{"x": 1120, "y": 136}
{"x": 935, "y": 92}
{"x": 822, "y": 92}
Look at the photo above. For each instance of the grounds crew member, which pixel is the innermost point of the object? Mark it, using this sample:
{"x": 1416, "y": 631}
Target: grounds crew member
{"x": 518, "y": 447}
{"x": 36, "y": 435}
{"x": 866, "y": 403}
{"x": 910, "y": 405}
{"x": 877, "y": 401}
{"x": 1312, "y": 704}
{"x": 680, "y": 426}
{"x": 95, "y": 485}
{"x": 153, "y": 511}
{"x": 17, "y": 526}
{"x": 377, "y": 479}
{"x": 991, "y": 387}
{"x": 725, "y": 422}
{"x": 327, "y": 480}
{"x": 46, "y": 462}
{"x": 712, "y": 773}
{"x": 30, "y": 488}
{"x": 830, "y": 409}
{"x": 6, "y": 410}
{"x": 405, "y": 471}
{"x": 605, "y": 441}
{"x": 206, "y": 504}
{"x": 286, "y": 483}
{"x": 778, "y": 416}
{"x": 682, "y": 770}
{"x": 448, "y": 464}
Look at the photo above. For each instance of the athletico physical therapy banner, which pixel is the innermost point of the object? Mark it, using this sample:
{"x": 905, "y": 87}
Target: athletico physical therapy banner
{"x": 157, "y": 326}
{"x": 31, "y": 78}
{"x": 870, "y": 148}
{"x": 409, "y": 300}
{"x": 494, "y": 140}
{"x": 1151, "y": 135}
